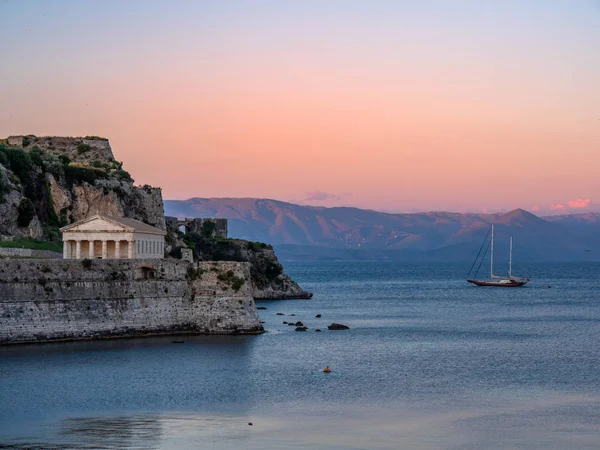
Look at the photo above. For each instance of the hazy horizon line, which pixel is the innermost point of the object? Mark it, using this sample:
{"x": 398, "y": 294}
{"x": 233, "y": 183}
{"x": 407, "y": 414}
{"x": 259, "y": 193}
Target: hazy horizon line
{"x": 542, "y": 213}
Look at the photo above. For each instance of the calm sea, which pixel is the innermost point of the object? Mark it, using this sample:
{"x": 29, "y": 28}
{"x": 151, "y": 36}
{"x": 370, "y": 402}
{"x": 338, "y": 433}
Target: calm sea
{"x": 430, "y": 362}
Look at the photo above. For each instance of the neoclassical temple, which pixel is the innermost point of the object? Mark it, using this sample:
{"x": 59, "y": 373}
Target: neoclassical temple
{"x": 112, "y": 238}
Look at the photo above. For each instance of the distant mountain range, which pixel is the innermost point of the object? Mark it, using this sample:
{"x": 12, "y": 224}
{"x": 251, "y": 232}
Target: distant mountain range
{"x": 309, "y": 232}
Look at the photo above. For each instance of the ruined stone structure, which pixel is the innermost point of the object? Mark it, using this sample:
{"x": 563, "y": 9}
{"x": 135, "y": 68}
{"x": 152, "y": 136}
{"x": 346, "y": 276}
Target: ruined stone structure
{"x": 208, "y": 227}
{"x": 42, "y": 300}
{"x": 105, "y": 237}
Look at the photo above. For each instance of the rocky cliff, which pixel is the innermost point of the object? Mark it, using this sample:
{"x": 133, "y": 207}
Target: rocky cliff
{"x": 49, "y": 182}
{"x": 268, "y": 280}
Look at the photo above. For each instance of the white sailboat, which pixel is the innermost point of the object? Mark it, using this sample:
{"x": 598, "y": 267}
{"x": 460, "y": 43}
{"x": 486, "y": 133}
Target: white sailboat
{"x": 495, "y": 280}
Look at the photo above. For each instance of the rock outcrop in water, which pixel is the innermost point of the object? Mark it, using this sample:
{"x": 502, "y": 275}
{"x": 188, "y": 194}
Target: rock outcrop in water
{"x": 268, "y": 279}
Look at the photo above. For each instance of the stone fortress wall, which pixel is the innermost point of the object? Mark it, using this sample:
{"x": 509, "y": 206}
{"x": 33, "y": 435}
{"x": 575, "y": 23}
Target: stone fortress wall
{"x": 218, "y": 227}
{"x": 50, "y": 300}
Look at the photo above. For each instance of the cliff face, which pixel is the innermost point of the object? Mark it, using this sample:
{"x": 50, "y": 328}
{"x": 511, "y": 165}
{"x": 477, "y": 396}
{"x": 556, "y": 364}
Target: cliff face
{"x": 48, "y": 182}
{"x": 267, "y": 278}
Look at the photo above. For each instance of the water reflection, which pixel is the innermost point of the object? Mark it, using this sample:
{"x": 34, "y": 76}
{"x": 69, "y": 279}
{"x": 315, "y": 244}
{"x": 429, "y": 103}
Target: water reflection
{"x": 111, "y": 432}
{"x": 145, "y": 431}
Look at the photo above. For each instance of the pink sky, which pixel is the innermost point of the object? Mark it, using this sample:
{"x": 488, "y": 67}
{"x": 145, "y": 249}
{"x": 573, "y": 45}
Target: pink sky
{"x": 383, "y": 108}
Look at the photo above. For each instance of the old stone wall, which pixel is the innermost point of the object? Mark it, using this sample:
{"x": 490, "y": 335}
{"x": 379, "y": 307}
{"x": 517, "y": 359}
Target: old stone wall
{"x": 79, "y": 149}
{"x": 29, "y": 253}
{"x": 43, "y": 300}
{"x": 217, "y": 227}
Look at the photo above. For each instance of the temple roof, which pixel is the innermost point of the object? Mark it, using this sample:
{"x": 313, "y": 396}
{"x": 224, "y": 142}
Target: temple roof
{"x": 126, "y": 224}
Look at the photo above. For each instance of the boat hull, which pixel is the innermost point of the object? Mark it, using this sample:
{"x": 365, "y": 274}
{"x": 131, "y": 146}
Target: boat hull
{"x": 509, "y": 283}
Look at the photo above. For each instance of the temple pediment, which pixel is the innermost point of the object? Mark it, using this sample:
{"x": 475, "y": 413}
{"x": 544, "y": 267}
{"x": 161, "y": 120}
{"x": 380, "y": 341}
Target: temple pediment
{"x": 97, "y": 223}
{"x": 112, "y": 224}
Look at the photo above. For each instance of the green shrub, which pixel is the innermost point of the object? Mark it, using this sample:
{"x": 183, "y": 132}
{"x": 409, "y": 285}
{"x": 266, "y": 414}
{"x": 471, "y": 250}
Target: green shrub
{"x": 229, "y": 277}
{"x": 257, "y": 245}
{"x": 35, "y": 155}
{"x": 273, "y": 271}
{"x": 18, "y": 161}
{"x": 95, "y": 138}
{"x": 122, "y": 175}
{"x": 64, "y": 159}
{"x": 208, "y": 229}
{"x": 25, "y": 212}
{"x": 194, "y": 274}
{"x": 26, "y": 141}
{"x": 74, "y": 174}
{"x": 82, "y": 148}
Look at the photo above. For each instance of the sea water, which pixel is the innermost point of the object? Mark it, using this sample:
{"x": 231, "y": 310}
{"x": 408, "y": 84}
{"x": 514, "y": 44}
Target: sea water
{"x": 429, "y": 362}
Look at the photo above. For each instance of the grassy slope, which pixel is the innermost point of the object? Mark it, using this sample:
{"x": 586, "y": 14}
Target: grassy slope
{"x": 33, "y": 244}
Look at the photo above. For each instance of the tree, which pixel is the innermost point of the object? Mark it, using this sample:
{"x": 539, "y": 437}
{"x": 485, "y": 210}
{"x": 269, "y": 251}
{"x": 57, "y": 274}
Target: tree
{"x": 25, "y": 212}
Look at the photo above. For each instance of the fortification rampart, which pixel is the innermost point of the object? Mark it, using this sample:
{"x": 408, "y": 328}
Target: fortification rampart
{"x": 11, "y": 252}
{"x": 43, "y": 300}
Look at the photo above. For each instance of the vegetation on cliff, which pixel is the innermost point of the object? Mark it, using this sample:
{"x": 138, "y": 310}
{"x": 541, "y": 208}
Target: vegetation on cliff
{"x": 266, "y": 272}
{"x": 29, "y": 172}
{"x": 49, "y": 182}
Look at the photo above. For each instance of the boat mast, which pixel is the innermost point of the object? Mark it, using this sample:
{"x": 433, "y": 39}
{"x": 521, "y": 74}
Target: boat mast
{"x": 510, "y": 260}
{"x": 492, "y": 255}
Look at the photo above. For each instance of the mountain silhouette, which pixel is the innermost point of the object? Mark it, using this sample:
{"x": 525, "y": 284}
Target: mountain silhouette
{"x": 308, "y": 232}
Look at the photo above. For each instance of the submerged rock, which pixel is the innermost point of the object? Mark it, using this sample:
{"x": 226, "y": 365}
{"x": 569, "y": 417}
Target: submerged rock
{"x": 318, "y": 316}
{"x": 301, "y": 328}
{"x": 261, "y": 307}
{"x": 338, "y": 326}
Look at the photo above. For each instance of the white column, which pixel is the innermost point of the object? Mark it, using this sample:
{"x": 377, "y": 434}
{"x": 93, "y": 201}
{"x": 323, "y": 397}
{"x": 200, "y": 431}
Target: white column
{"x": 104, "y": 249}
{"x": 117, "y": 249}
{"x": 65, "y": 249}
{"x": 91, "y": 250}
{"x": 130, "y": 249}
{"x": 77, "y": 249}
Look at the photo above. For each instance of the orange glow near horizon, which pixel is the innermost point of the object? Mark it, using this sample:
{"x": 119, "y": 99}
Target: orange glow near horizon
{"x": 381, "y": 122}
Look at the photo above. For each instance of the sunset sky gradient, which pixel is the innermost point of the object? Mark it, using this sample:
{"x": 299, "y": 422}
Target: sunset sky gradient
{"x": 389, "y": 105}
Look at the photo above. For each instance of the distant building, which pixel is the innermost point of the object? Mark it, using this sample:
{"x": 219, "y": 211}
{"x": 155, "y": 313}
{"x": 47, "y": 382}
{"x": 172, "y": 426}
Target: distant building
{"x": 107, "y": 237}
{"x": 207, "y": 227}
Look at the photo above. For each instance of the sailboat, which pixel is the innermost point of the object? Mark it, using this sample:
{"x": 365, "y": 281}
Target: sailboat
{"x": 495, "y": 280}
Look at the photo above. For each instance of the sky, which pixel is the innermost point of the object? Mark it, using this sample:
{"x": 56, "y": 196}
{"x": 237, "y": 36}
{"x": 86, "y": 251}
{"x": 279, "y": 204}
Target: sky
{"x": 398, "y": 106}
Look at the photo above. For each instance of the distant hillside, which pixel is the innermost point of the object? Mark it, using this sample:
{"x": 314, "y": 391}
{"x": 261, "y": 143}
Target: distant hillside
{"x": 306, "y": 232}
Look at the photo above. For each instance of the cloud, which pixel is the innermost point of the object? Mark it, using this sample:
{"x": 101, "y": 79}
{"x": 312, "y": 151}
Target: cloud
{"x": 536, "y": 208}
{"x": 579, "y": 203}
{"x": 321, "y": 196}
